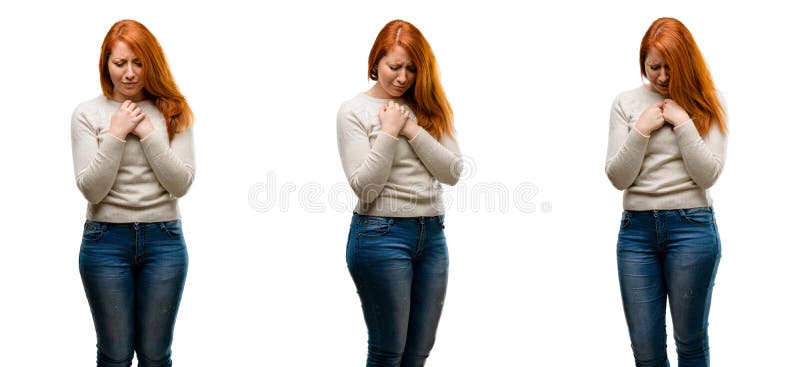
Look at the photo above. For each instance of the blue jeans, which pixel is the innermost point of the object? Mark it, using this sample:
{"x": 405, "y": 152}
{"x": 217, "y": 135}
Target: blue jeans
{"x": 133, "y": 275}
{"x": 399, "y": 266}
{"x": 668, "y": 254}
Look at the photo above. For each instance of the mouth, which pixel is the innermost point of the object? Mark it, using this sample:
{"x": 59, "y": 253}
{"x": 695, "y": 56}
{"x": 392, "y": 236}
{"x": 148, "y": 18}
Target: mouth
{"x": 662, "y": 86}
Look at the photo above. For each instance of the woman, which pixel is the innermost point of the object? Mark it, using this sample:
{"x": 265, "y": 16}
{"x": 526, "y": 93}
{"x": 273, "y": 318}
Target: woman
{"x": 133, "y": 156}
{"x": 666, "y": 148}
{"x": 396, "y": 144}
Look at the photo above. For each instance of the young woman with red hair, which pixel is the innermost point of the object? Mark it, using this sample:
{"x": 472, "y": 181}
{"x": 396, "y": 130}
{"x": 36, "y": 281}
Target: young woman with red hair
{"x": 666, "y": 148}
{"x": 396, "y": 144}
{"x": 133, "y": 158}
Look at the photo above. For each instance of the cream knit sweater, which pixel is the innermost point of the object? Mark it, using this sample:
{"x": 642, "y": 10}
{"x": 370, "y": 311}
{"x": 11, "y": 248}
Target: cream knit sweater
{"x": 132, "y": 180}
{"x": 393, "y": 177}
{"x": 672, "y": 169}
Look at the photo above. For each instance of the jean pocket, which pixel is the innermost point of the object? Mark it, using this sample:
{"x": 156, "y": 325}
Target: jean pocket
{"x": 374, "y": 226}
{"x": 172, "y": 228}
{"x": 626, "y": 219}
{"x": 94, "y": 231}
{"x": 699, "y": 216}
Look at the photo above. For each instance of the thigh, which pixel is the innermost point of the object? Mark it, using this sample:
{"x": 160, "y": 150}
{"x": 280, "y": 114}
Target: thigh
{"x": 690, "y": 267}
{"x": 427, "y": 295}
{"x": 380, "y": 263}
{"x": 159, "y": 287}
{"x": 105, "y": 264}
{"x": 642, "y": 285}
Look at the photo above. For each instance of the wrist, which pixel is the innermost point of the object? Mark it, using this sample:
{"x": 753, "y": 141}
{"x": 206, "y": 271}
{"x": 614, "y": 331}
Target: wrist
{"x": 116, "y": 136}
{"x": 642, "y": 130}
{"x": 144, "y": 132}
{"x": 412, "y": 132}
{"x": 391, "y": 132}
{"x": 644, "y": 133}
{"x": 119, "y": 135}
{"x": 683, "y": 123}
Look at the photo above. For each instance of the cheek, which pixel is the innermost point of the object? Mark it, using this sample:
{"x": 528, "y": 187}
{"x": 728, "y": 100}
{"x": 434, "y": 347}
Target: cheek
{"x": 115, "y": 77}
{"x": 386, "y": 75}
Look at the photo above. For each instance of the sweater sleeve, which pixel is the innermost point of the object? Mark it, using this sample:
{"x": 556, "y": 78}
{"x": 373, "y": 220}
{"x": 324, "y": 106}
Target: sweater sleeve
{"x": 366, "y": 166}
{"x": 626, "y": 149}
{"x": 95, "y": 158}
{"x": 703, "y": 158}
{"x": 441, "y": 158}
{"x": 172, "y": 161}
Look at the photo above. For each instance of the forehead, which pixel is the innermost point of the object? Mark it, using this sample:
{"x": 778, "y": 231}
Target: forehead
{"x": 397, "y": 55}
{"x": 121, "y": 50}
{"x": 654, "y": 56}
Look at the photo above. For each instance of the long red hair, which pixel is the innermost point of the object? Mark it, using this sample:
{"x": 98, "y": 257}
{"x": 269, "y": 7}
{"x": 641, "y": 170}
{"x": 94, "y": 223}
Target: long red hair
{"x": 159, "y": 85}
{"x": 426, "y": 98}
{"x": 690, "y": 83}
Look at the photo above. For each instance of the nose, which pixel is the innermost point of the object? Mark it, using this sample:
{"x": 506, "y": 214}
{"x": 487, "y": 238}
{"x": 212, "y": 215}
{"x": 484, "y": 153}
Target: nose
{"x": 129, "y": 74}
{"x": 402, "y": 77}
{"x": 663, "y": 77}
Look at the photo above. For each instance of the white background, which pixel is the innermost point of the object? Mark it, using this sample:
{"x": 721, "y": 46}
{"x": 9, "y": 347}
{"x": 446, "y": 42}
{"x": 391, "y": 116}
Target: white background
{"x": 532, "y": 88}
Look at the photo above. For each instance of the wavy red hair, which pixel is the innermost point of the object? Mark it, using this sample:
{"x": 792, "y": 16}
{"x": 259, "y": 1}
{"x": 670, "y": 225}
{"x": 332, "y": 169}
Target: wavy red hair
{"x": 690, "y": 83}
{"x": 426, "y": 97}
{"x": 159, "y": 85}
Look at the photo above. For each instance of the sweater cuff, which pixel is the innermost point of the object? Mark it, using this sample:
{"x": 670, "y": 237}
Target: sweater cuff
{"x": 423, "y": 140}
{"x": 641, "y": 133}
{"x": 155, "y": 144}
{"x": 391, "y": 137}
{"x": 111, "y": 146}
{"x": 636, "y": 140}
{"x": 385, "y": 144}
{"x": 686, "y": 133}
{"x": 419, "y": 131}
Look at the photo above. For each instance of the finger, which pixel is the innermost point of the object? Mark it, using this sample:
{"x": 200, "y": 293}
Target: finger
{"x": 125, "y": 104}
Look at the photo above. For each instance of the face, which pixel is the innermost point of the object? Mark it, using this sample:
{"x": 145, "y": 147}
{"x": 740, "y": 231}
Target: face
{"x": 396, "y": 74}
{"x": 657, "y": 71}
{"x": 125, "y": 70}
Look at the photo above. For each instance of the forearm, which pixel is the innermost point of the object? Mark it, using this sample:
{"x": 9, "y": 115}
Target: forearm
{"x": 703, "y": 159}
{"x": 368, "y": 168}
{"x": 171, "y": 162}
{"x": 624, "y": 160}
{"x": 443, "y": 162}
{"x": 96, "y": 165}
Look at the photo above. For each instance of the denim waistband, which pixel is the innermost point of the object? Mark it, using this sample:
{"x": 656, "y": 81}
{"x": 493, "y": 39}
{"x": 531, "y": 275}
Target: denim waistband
{"x": 657, "y": 212}
{"x": 110, "y": 224}
{"x": 410, "y": 219}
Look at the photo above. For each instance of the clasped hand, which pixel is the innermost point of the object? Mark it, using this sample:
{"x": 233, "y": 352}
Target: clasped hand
{"x": 659, "y": 113}
{"x": 130, "y": 119}
{"x": 395, "y": 121}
